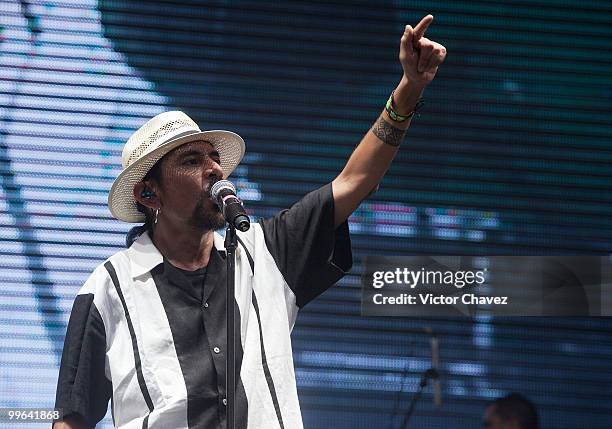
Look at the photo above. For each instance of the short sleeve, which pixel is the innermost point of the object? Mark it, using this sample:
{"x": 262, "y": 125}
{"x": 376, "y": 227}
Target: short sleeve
{"x": 83, "y": 387}
{"x": 311, "y": 254}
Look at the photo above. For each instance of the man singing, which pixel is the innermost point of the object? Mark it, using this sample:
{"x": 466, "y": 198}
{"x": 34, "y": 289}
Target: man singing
{"x": 148, "y": 327}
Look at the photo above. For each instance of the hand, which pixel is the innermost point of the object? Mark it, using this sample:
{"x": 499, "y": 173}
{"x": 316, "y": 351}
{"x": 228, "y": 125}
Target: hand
{"x": 419, "y": 56}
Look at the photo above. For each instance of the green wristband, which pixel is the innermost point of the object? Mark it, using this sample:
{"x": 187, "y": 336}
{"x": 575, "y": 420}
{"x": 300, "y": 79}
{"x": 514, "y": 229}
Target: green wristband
{"x": 390, "y": 108}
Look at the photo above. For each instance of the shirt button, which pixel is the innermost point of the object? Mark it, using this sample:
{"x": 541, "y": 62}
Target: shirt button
{"x": 224, "y": 401}
{"x": 205, "y": 305}
{"x": 217, "y": 350}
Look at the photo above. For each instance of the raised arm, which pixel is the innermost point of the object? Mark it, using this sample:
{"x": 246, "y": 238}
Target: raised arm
{"x": 420, "y": 58}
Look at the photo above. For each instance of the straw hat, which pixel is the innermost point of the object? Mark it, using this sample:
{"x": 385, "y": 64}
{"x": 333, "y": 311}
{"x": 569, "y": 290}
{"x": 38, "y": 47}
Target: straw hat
{"x": 151, "y": 142}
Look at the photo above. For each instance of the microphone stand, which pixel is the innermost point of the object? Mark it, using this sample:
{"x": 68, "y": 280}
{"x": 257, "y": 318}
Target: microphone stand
{"x": 429, "y": 374}
{"x": 231, "y": 243}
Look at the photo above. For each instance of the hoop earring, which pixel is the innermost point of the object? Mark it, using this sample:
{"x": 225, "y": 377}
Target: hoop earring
{"x": 156, "y": 213}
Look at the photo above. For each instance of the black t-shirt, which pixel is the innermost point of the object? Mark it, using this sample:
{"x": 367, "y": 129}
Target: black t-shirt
{"x": 196, "y": 278}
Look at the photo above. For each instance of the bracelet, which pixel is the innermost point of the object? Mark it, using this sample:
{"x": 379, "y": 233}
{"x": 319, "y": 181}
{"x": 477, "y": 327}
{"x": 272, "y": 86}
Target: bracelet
{"x": 390, "y": 108}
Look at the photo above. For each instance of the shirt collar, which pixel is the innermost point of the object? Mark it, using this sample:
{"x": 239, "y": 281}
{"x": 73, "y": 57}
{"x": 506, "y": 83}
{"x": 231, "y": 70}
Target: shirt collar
{"x": 144, "y": 256}
{"x": 219, "y": 242}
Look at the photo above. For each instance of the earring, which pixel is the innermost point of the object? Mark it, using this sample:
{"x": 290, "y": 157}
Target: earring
{"x": 156, "y": 213}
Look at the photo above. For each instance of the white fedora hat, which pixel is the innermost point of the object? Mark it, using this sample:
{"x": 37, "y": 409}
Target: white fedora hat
{"x": 151, "y": 142}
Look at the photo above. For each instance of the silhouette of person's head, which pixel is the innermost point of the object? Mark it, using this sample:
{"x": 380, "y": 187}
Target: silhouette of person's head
{"x": 512, "y": 411}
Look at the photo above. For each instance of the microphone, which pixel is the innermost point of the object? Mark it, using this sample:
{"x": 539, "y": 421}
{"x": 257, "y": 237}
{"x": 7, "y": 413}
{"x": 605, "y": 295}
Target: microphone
{"x": 223, "y": 193}
{"x": 435, "y": 361}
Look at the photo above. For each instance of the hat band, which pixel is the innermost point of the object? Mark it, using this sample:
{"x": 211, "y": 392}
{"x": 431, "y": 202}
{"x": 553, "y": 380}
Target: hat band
{"x": 168, "y": 138}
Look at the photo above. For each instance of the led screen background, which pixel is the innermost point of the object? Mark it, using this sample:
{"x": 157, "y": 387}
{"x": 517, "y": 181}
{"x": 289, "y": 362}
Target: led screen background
{"x": 511, "y": 155}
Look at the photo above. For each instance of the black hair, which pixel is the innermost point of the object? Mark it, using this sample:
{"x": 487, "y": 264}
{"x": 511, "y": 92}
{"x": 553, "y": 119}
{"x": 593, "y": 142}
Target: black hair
{"x": 153, "y": 174}
{"x": 516, "y": 407}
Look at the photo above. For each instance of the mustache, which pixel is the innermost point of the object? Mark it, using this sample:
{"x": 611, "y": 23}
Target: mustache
{"x": 206, "y": 195}
{"x": 211, "y": 181}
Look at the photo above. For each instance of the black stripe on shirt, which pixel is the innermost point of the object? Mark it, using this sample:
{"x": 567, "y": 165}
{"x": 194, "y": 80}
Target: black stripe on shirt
{"x": 266, "y": 369}
{"x": 82, "y": 386}
{"x": 141, "y": 381}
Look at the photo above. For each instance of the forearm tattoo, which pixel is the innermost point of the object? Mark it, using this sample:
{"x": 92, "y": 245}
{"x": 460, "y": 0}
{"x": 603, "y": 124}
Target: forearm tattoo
{"x": 387, "y": 132}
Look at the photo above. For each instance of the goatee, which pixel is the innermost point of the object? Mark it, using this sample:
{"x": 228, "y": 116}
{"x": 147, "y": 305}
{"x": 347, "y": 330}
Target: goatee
{"x": 207, "y": 214}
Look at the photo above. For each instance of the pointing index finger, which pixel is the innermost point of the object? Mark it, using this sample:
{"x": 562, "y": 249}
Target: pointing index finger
{"x": 421, "y": 27}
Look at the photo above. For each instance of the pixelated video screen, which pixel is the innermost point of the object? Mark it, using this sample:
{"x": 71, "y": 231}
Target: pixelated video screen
{"x": 510, "y": 155}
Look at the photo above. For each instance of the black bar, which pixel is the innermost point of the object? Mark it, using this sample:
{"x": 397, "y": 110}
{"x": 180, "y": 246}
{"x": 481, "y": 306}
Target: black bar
{"x": 230, "y": 372}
